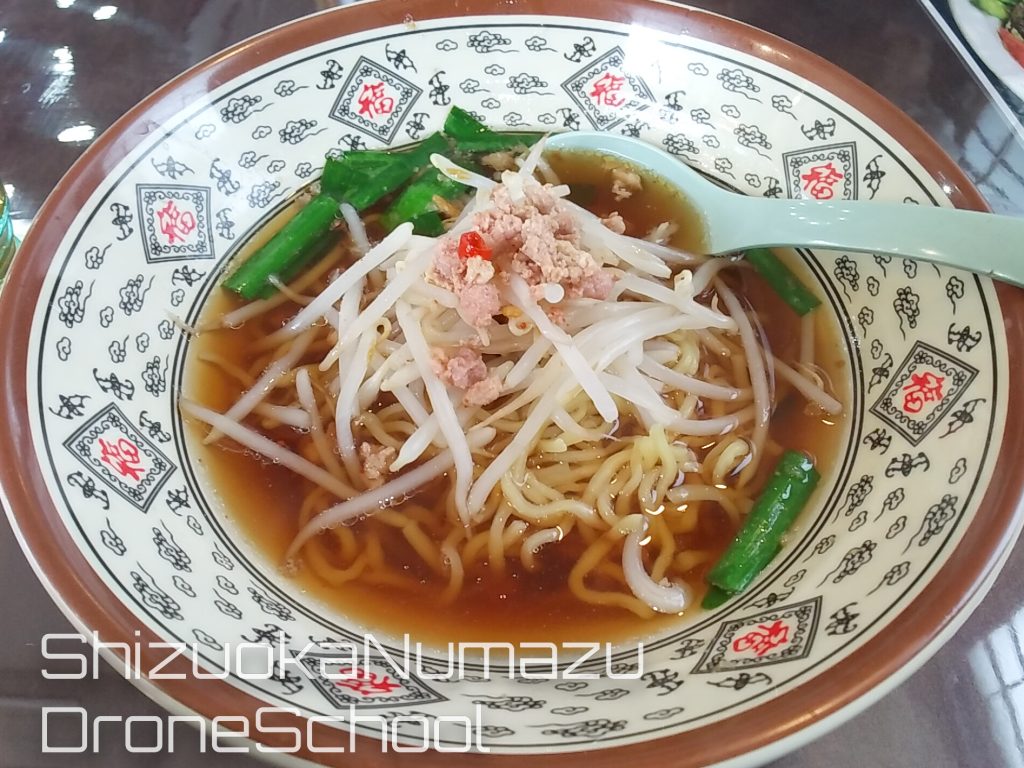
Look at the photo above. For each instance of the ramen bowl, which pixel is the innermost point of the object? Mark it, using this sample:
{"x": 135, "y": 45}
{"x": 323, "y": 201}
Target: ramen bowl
{"x": 127, "y": 530}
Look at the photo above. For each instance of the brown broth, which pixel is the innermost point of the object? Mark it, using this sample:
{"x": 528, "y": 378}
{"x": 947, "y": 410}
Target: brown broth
{"x": 262, "y": 499}
{"x": 643, "y": 211}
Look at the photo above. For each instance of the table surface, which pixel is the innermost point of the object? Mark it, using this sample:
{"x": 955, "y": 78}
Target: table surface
{"x": 73, "y": 63}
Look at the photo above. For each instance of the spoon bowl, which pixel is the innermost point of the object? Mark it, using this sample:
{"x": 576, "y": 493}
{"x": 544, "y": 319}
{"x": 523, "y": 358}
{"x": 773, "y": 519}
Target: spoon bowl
{"x": 984, "y": 243}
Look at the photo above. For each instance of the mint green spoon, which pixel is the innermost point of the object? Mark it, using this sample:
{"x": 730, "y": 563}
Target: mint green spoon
{"x": 980, "y": 242}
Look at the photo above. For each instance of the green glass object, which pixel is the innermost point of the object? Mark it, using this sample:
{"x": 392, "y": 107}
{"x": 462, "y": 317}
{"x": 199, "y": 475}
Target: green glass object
{"x": 7, "y": 242}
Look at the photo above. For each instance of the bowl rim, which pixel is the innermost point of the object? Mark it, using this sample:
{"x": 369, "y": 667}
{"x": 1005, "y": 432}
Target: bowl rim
{"x": 809, "y": 709}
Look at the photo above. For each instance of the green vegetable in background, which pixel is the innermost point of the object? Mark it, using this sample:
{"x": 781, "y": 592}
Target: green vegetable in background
{"x": 997, "y": 8}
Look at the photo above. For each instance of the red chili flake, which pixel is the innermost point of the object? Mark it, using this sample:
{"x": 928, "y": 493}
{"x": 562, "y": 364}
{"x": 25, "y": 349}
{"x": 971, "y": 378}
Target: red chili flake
{"x": 472, "y": 244}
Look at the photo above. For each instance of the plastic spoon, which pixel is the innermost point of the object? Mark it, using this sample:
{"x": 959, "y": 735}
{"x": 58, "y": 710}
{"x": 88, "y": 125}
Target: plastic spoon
{"x": 980, "y": 242}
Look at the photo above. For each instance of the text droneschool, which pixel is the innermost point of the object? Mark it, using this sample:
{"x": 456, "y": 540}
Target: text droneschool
{"x": 334, "y": 661}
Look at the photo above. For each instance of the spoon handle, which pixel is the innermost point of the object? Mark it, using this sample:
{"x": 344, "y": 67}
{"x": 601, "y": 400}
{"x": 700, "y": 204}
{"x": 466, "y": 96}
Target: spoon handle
{"x": 980, "y": 242}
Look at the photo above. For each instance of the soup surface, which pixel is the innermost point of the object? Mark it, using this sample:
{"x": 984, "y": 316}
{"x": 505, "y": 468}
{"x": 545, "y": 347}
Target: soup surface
{"x": 503, "y": 601}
